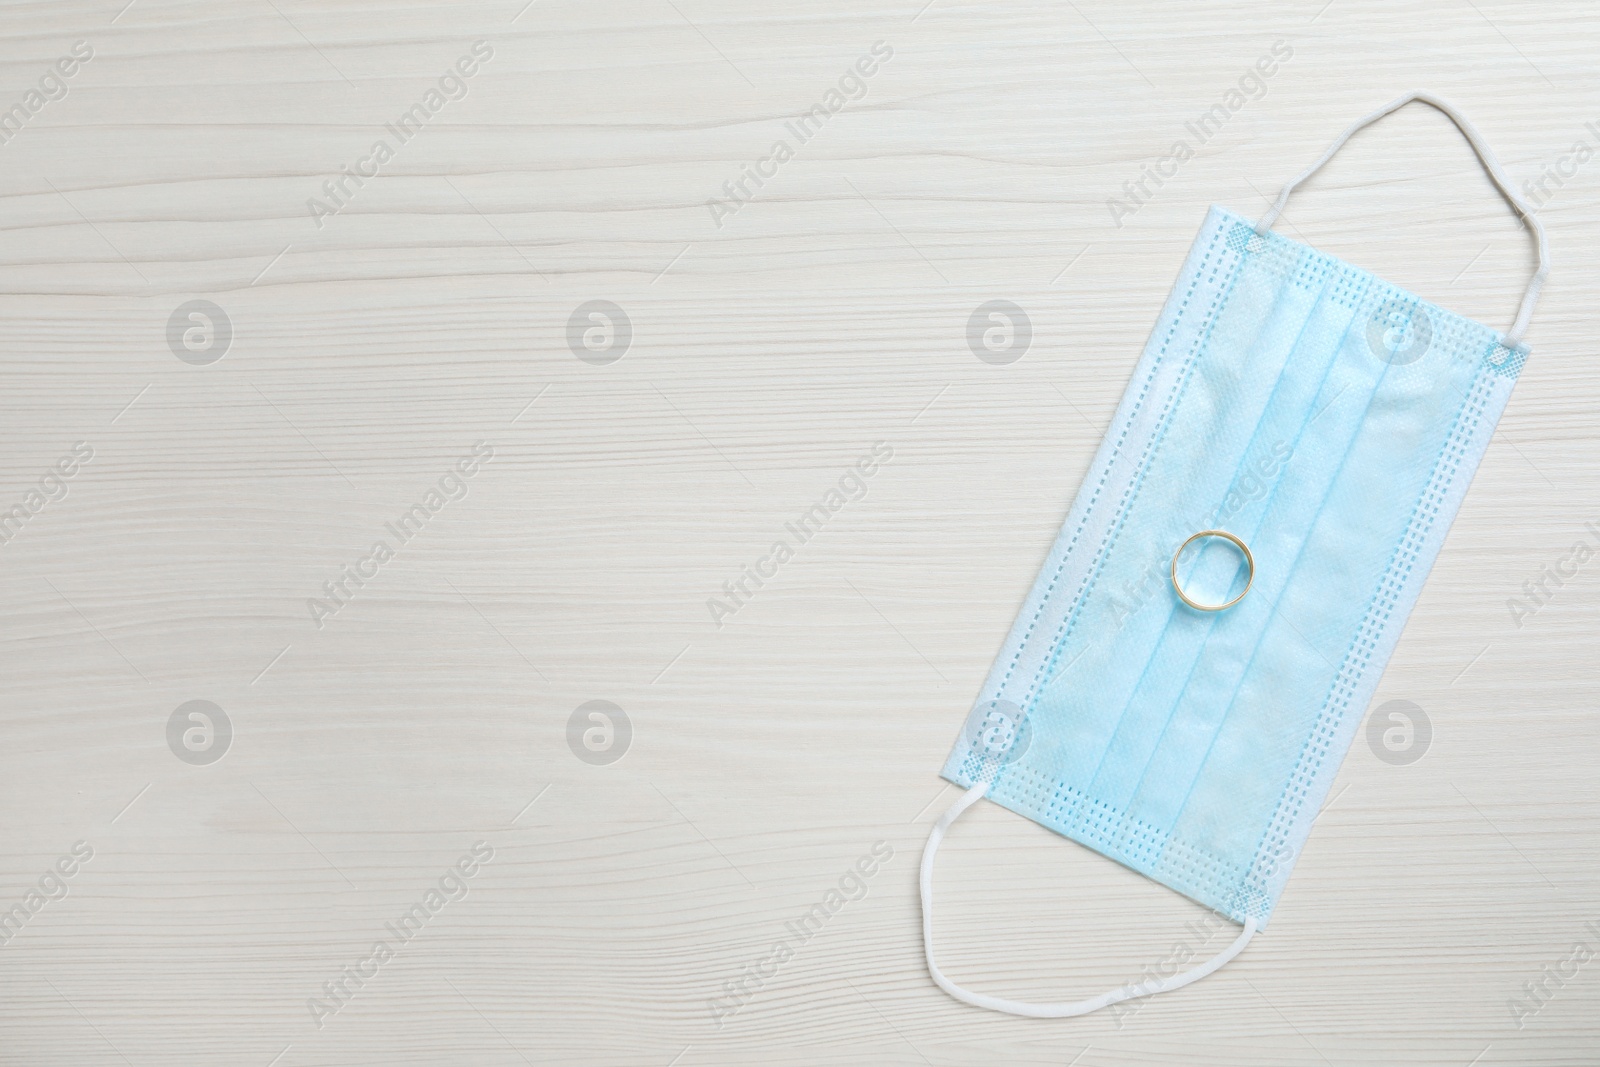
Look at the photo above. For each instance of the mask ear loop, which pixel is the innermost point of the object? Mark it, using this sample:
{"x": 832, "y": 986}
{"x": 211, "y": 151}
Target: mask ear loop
{"x": 1491, "y": 165}
{"x": 1044, "y": 1011}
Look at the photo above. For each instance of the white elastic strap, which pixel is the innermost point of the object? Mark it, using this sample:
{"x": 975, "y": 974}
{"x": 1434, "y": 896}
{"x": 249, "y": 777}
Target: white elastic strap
{"x": 1045, "y": 1011}
{"x": 1490, "y": 164}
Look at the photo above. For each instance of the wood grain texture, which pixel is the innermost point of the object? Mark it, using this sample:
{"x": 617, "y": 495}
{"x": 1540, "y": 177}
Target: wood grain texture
{"x": 370, "y": 353}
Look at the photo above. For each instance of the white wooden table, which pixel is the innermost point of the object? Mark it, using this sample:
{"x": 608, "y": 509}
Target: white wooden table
{"x": 364, "y": 338}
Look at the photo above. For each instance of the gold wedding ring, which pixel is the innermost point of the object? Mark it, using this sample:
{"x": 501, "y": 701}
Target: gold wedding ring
{"x": 1249, "y": 562}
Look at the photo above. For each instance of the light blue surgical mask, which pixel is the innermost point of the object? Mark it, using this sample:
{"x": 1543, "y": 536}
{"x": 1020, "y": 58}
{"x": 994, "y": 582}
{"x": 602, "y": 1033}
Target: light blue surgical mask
{"x": 1309, "y": 430}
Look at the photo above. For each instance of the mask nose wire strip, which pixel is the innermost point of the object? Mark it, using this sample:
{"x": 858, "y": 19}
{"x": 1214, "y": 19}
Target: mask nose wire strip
{"x": 1044, "y": 1011}
{"x": 1491, "y": 165}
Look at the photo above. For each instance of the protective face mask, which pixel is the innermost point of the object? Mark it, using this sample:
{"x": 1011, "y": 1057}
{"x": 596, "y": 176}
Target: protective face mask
{"x": 1193, "y": 661}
